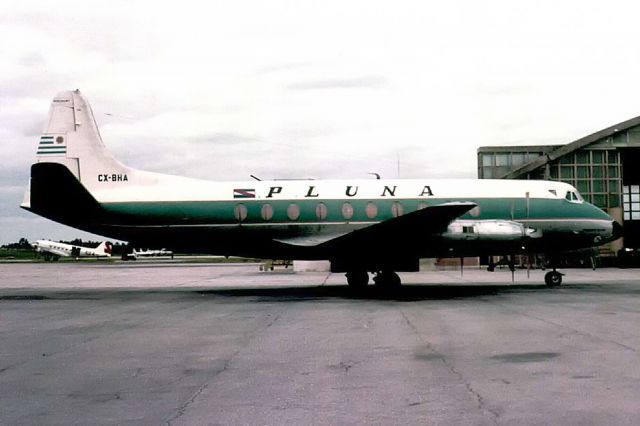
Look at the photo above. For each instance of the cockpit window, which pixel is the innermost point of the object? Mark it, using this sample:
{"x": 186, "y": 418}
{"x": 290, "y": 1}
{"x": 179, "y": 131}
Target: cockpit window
{"x": 573, "y": 197}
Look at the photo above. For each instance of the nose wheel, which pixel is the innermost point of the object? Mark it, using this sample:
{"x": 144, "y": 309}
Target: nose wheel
{"x": 553, "y": 278}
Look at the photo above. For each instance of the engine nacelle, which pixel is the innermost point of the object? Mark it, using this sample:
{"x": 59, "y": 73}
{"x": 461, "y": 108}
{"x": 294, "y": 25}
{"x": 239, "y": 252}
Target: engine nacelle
{"x": 488, "y": 230}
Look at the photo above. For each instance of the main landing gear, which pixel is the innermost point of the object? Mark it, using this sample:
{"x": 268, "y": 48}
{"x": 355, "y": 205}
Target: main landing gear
{"x": 553, "y": 278}
{"x": 387, "y": 279}
{"x": 359, "y": 279}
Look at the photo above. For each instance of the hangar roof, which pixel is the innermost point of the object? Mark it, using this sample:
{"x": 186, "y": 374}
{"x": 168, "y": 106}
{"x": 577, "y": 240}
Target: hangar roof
{"x": 553, "y": 152}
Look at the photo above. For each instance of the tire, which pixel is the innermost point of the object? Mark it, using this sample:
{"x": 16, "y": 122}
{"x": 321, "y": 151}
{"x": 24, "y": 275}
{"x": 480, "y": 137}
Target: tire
{"x": 357, "y": 279}
{"x": 553, "y": 278}
{"x": 387, "y": 279}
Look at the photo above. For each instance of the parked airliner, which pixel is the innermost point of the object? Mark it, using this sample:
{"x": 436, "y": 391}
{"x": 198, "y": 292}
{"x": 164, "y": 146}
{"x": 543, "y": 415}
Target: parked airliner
{"x": 52, "y": 250}
{"x": 374, "y": 226}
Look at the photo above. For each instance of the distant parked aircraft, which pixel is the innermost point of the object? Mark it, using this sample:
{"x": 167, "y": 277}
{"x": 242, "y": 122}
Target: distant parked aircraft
{"x": 52, "y": 250}
{"x": 136, "y": 254}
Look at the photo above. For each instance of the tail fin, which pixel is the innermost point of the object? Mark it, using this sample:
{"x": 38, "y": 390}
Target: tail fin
{"x": 70, "y": 141}
{"x": 71, "y": 137}
{"x": 104, "y": 249}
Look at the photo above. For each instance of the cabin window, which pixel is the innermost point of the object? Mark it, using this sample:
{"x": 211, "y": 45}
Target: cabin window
{"x": 266, "y": 212}
{"x": 347, "y": 211}
{"x": 293, "y": 211}
{"x": 371, "y": 210}
{"x": 467, "y": 230}
{"x": 321, "y": 211}
{"x": 396, "y": 209}
{"x": 240, "y": 212}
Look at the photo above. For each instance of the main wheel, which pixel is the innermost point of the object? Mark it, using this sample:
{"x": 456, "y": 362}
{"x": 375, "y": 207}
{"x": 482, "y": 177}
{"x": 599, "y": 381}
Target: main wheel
{"x": 357, "y": 279}
{"x": 553, "y": 278}
{"x": 387, "y": 279}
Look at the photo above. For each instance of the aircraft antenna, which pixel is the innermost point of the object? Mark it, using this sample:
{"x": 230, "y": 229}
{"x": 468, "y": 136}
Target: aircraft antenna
{"x": 255, "y": 177}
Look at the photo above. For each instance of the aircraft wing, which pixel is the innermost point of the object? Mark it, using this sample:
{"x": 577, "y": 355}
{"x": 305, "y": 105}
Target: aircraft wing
{"x": 401, "y": 230}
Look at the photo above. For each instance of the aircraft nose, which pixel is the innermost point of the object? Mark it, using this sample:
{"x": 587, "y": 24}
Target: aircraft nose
{"x": 616, "y": 231}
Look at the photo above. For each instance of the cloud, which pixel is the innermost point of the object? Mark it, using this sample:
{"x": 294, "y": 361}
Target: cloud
{"x": 373, "y": 82}
{"x": 314, "y": 89}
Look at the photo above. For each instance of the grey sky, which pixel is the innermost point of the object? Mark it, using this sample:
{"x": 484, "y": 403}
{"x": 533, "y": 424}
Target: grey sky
{"x": 330, "y": 89}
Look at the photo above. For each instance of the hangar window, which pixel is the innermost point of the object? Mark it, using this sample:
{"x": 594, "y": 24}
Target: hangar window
{"x": 321, "y": 211}
{"x": 584, "y": 186}
{"x": 582, "y": 157}
{"x": 631, "y": 202}
{"x": 240, "y": 212}
{"x": 293, "y": 211}
{"x": 566, "y": 172}
{"x": 597, "y": 171}
{"x": 598, "y": 157}
{"x": 371, "y": 210}
{"x": 397, "y": 209}
{"x": 266, "y": 212}
{"x": 502, "y": 160}
{"x": 517, "y": 159}
{"x": 347, "y": 211}
{"x": 583, "y": 172}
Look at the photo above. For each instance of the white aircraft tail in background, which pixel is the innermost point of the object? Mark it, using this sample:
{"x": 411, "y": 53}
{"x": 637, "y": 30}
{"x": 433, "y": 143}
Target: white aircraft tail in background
{"x": 52, "y": 251}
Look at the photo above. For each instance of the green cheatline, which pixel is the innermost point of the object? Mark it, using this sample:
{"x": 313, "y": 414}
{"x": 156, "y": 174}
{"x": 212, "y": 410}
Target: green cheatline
{"x": 51, "y": 147}
{"x": 52, "y": 152}
{"x": 224, "y": 211}
{"x": 46, "y": 137}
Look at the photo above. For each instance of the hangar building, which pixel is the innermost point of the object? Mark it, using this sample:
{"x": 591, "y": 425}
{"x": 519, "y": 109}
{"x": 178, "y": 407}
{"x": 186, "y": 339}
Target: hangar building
{"x": 603, "y": 166}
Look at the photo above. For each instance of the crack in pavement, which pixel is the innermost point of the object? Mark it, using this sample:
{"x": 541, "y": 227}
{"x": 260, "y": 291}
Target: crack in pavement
{"x": 482, "y": 405}
{"x": 185, "y": 405}
{"x": 557, "y": 324}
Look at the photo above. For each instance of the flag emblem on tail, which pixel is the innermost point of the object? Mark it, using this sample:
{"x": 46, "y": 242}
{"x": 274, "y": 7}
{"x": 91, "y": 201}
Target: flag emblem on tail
{"x": 244, "y": 193}
{"x": 52, "y": 145}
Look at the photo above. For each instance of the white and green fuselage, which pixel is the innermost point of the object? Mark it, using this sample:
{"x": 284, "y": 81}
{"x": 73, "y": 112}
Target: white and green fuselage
{"x": 365, "y": 222}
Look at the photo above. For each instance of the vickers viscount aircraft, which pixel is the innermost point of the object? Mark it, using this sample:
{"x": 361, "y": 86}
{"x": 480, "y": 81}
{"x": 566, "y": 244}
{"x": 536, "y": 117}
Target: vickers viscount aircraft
{"x": 360, "y": 226}
{"x": 52, "y": 250}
